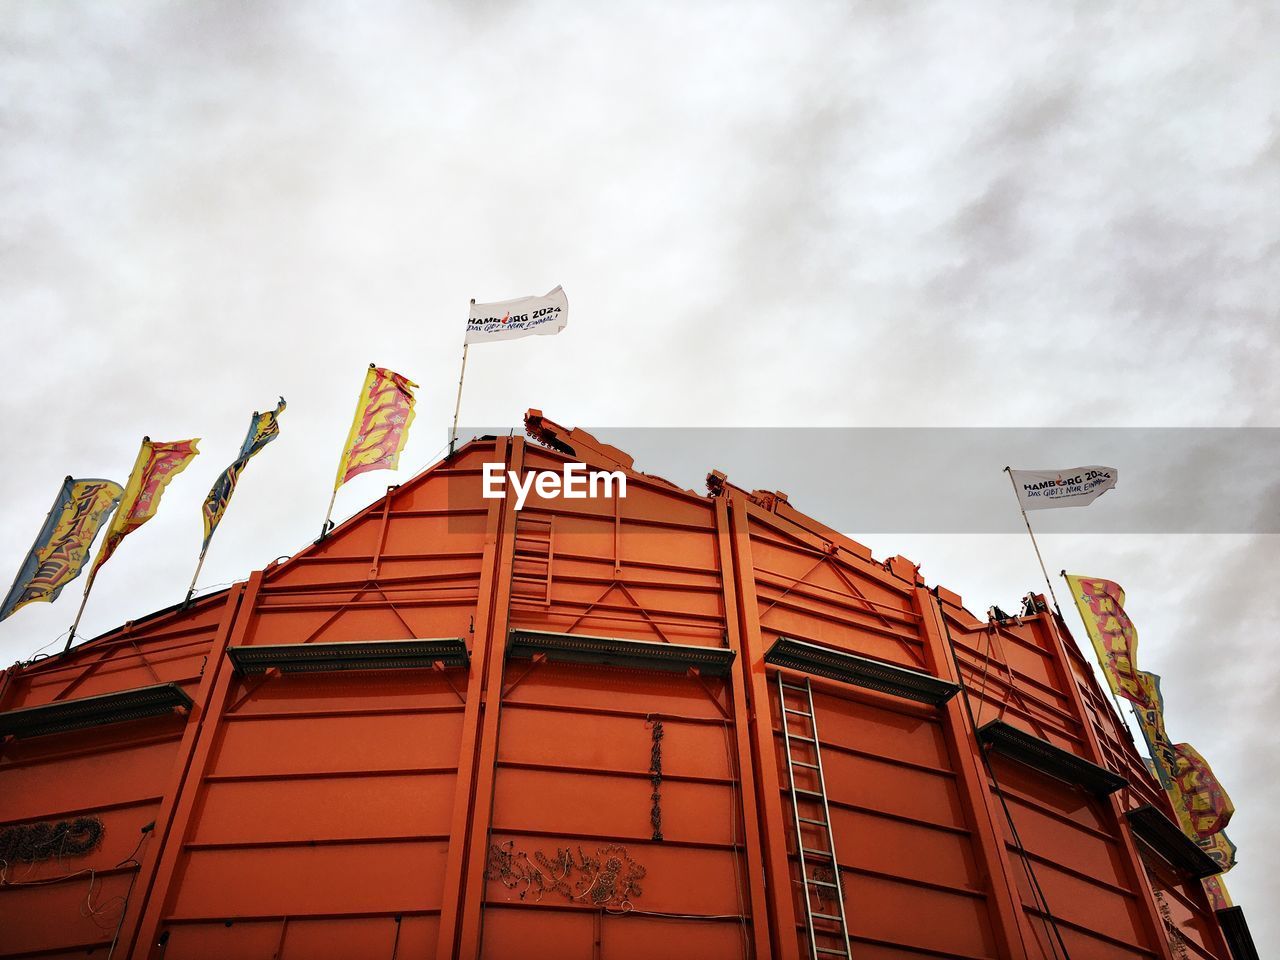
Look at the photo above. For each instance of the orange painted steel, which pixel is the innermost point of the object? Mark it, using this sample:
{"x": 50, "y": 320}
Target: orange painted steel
{"x": 554, "y": 800}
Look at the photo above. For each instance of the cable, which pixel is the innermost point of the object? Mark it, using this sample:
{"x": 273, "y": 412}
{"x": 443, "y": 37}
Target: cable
{"x": 1049, "y": 920}
{"x": 735, "y": 806}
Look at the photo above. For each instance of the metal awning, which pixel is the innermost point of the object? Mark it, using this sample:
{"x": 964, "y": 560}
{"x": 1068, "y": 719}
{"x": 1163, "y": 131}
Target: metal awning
{"x": 1009, "y": 741}
{"x": 359, "y": 655}
{"x": 65, "y": 715}
{"x": 615, "y": 652}
{"x": 860, "y": 671}
{"x": 1167, "y": 839}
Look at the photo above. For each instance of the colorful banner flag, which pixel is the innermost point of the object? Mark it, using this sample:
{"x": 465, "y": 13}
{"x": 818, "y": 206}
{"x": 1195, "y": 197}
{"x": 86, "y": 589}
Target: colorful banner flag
{"x": 62, "y": 546}
{"x": 1073, "y": 487}
{"x": 1207, "y": 805}
{"x": 381, "y": 424}
{"x": 1114, "y": 637}
{"x": 157, "y": 464}
{"x": 523, "y": 317}
{"x": 1201, "y": 805}
{"x": 263, "y": 428}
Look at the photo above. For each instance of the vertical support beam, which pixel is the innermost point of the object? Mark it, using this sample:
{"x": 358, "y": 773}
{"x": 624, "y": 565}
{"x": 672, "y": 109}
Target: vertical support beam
{"x": 962, "y": 742}
{"x": 1133, "y": 861}
{"x": 471, "y": 907}
{"x": 464, "y": 789}
{"x": 6, "y": 681}
{"x": 781, "y": 902}
{"x": 183, "y": 790}
{"x": 742, "y": 738}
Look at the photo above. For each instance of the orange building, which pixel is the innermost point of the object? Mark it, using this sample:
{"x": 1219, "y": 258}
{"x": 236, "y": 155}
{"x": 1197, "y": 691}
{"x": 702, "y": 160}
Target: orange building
{"x": 667, "y": 725}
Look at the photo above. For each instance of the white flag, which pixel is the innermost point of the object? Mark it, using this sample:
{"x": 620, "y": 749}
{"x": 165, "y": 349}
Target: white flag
{"x": 1074, "y": 487}
{"x": 512, "y": 319}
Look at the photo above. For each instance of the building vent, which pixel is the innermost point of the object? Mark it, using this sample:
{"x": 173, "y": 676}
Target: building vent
{"x": 362, "y": 655}
{"x": 613, "y": 652}
{"x": 860, "y": 671}
{"x": 1042, "y": 755}
{"x": 1167, "y": 839}
{"x": 135, "y": 704}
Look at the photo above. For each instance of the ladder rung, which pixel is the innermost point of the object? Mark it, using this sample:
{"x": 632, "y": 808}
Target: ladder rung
{"x": 825, "y": 883}
{"x": 826, "y": 916}
{"x": 816, "y": 823}
{"x": 803, "y": 713}
{"x": 834, "y": 953}
{"x": 797, "y": 736}
{"x": 792, "y": 686}
{"x": 809, "y": 851}
{"x": 801, "y": 763}
{"x": 807, "y": 793}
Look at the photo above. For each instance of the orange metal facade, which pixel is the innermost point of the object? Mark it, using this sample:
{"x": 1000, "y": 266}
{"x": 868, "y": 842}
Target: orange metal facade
{"x": 509, "y": 806}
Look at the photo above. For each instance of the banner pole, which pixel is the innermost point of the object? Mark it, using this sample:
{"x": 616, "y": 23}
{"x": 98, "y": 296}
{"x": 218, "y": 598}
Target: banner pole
{"x": 324, "y": 529}
{"x": 79, "y": 613}
{"x": 195, "y": 576}
{"x": 457, "y": 405}
{"x": 1047, "y": 582}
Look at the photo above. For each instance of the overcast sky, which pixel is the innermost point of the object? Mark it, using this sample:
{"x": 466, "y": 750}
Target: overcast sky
{"x": 781, "y": 214}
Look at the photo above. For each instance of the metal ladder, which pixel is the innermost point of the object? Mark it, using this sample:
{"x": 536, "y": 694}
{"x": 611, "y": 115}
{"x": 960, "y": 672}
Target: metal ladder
{"x": 812, "y": 859}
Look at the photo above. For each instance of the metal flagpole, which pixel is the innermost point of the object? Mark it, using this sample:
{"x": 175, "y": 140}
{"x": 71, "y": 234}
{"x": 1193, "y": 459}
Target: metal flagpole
{"x": 195, "y": 576}
{"x": 1048, "y": 583}
{"x": 79, "y": 613}
{"x": 324, "y": 529}
{"x": 457, "y": 405}
{"x": 93, "y": 572}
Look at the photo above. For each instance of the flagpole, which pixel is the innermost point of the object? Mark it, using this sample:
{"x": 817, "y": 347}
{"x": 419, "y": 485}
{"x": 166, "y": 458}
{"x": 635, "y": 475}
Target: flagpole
{"x": 79, "y": 613}
{"x": 1048, "y": 583}
{"x": 195, "y": 576}
{"x": 93, "y": 571}
{"x": 457, "y": 404}
{"x": 324, "y": 530}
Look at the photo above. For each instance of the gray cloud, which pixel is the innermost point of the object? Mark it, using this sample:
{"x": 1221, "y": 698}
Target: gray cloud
{"x": 764, "y": 214}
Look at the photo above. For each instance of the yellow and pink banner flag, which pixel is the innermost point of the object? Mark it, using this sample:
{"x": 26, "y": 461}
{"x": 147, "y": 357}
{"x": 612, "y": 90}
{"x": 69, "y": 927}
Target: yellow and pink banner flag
{"x": 1202, "y": 807}
{"x": 157, "y": 464}
{"x": 62, "y": 546}
{"x": 1114, "y": 637}
{"x": 381, "y": 424}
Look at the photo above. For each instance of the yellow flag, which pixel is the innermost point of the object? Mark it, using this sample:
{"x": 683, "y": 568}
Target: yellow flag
{"x": 157, "y": 464}
{"x": 381, "y": 424}
{"x": 1114, "y": 637}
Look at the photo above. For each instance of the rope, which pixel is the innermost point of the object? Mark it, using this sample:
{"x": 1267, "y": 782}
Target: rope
{"x": 1049, "y": 920}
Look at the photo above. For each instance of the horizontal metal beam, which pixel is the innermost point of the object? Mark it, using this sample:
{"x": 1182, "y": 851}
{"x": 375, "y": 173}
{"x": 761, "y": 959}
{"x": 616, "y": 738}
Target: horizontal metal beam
{"x": 860, "y": 671}
{"x": 78, "y": 714}
{"x": 616, "y": 652}
{"x": 1166, "y": 838}
{"x": 361, "y": 655}
{"x": 1009, "y": 741}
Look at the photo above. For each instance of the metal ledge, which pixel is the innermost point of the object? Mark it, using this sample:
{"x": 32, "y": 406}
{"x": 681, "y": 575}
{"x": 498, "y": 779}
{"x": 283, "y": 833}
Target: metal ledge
{"x": 860, "y": 671}
{"x": 135, "y": 704}
{"x": 1236, "y": 931}
{"x": 1042, "y": 755}
{"x": 1167, "y": 839}
{"x": 612, "y": 652}
{"x": 361, "y": 655}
